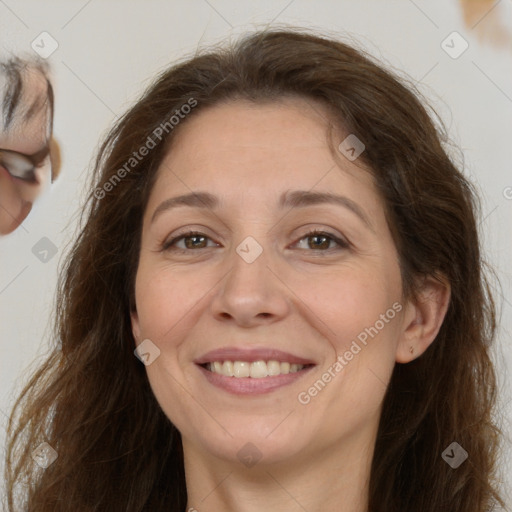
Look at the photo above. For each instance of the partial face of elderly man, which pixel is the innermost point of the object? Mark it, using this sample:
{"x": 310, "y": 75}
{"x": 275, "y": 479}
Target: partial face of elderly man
{"x": 26, "y": 118}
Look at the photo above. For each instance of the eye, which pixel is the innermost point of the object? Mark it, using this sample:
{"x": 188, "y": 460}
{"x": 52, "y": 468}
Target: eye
{"x": 192, "y": 240}
{"x": 321, "y": 241}
{"x": 28, "y": 177}
{"x": 18, "y": 166}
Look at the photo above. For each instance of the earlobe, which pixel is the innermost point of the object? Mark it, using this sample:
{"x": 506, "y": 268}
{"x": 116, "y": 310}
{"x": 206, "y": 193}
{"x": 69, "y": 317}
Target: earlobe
{"x": 423, "y": 318}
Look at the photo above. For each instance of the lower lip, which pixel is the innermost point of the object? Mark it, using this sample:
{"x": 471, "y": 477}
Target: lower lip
{"x": 252, "y": 386}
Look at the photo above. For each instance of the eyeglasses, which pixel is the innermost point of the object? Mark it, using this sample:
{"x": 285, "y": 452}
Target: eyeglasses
{"x": 22, "y": 166}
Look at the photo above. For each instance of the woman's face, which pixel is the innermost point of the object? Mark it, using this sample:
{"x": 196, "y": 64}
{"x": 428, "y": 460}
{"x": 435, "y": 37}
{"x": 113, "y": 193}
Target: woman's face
{"x": 28, "y": 135}
{"x": 254, "y": 285}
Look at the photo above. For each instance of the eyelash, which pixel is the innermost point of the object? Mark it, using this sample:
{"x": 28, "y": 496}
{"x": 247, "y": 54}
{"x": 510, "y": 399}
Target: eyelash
{"x": 166, "y": 246}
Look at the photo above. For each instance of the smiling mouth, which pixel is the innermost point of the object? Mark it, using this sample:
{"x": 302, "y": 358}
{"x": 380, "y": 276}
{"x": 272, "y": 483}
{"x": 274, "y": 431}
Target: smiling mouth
{"x": 254, "y": 370}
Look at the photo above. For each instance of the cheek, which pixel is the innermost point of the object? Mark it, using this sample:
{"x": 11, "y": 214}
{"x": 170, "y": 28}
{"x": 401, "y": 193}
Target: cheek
{"x": 352, "y": 383}
{"x": 361, "y": 309}
{"x": 12, "y": 211}
{"x": 163, "y": 302}
{"x": 167, "y": 299}
{"x": 29, "y": 192}
{"x": 352, "y": 299}
{"x": 371, "y": 334}
{"x": 166, "y": 305}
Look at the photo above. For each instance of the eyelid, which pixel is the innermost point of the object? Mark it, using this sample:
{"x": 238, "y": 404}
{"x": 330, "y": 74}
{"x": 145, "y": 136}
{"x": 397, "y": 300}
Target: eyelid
{"x": 185, "y": 233}
{"x": 340, "y": 240}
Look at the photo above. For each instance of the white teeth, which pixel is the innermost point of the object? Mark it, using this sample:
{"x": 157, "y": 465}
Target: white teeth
{"x": 273, "y": 368}
{"x": 255, "y": 370}
{"x": 227, "y": 369}
{"x": 259, "y": 369}
{"x": 241, "y": 369}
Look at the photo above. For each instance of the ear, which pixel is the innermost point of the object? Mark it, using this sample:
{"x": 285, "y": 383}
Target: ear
{"x": 135, "y": 324}
{"x": 423, "y": 318}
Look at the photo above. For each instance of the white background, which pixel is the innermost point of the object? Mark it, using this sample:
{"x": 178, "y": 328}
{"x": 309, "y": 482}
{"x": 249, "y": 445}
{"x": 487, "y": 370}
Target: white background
{"x": 109, "y": 50}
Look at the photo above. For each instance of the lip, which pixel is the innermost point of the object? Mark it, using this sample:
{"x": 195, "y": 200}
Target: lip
{"x": 251, "y": 355}
{"x": 250, "y": 386}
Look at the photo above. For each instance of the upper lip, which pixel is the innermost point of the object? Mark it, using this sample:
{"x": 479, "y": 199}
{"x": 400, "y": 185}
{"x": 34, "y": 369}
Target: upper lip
{"x": 250, "y": 355}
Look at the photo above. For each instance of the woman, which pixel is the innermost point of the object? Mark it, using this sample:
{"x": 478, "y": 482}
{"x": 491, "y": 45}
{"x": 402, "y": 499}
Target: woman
{"x": 276, "y": 302}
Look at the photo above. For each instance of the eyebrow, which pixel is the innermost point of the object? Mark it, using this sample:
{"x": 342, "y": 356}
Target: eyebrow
{"x": 289, "y": 199}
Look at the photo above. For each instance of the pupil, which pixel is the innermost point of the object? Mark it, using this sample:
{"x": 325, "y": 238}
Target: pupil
{"x": 317, "y": 237}
{"x": 190, "y": 243}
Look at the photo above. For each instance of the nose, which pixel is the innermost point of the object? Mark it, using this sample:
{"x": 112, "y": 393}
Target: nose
{"x": 252, "y": 293}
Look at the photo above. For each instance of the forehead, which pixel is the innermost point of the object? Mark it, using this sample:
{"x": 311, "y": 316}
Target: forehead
{"x": 25, "y": 109}
{"x": 296, "y": 121}
{"x": 241, "y": 142}
{"x": 24, "y": 96}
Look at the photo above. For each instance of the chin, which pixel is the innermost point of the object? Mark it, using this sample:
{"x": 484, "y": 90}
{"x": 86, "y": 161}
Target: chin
{"x": 249, "y": 442}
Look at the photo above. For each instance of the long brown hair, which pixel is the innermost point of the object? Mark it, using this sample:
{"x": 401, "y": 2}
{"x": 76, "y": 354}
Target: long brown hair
{"x": 91, "y": 400}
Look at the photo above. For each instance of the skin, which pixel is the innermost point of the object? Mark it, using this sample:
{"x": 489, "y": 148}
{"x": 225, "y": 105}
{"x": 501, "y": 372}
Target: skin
{"x": 293, "y": 297}
{"x": 31, "y": 137}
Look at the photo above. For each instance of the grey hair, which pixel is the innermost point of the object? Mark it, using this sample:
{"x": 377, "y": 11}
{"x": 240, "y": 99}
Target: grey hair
{"x": 13, "y": 73}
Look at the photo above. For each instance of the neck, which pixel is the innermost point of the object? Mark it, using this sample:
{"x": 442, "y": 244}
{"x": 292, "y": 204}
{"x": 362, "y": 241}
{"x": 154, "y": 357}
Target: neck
{"x": 332, "y": 480}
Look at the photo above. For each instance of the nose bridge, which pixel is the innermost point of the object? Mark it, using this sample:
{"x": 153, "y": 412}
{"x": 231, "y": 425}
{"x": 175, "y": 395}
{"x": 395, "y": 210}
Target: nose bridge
{"x": 249, "y": 264}
{"x": 251, "y": 290}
